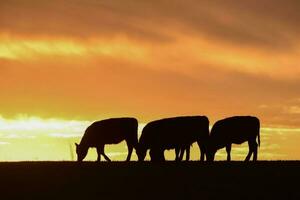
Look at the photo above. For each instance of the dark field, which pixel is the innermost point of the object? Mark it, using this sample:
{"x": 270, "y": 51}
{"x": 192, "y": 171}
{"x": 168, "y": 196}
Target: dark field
{"x": 170, "y": 180}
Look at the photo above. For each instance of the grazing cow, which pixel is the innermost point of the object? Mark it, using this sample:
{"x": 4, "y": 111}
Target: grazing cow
{"x": 173, "y": 133}
{"x": 234, "y": 130}
{"x": 108, "y": 131}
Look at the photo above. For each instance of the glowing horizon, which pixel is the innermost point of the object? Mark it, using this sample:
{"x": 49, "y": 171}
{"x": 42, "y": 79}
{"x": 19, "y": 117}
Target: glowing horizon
{"x": 48, "y": 134}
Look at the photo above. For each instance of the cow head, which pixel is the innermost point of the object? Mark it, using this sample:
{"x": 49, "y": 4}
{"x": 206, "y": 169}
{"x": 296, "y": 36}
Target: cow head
{"x": 81, "y": 152}
{"x": 141, "y": 152}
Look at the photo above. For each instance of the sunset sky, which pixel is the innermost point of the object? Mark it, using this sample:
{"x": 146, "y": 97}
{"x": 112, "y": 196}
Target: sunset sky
{"x": 67, "y": 63}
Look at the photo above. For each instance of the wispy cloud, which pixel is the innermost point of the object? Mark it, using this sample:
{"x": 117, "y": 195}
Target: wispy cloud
{"x": 270, "y": 23}
{"x": 31, "y": 127}
{"x": 17, "y": 48}
{"x": 203, "y": 33}
{"x": 4, "y": 143}
{"x": 26, "y": 127}
{"x": 293, "y": 109}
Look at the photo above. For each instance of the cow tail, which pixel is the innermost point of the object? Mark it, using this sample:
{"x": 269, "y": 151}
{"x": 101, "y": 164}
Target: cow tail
{"x": 258, "y": 139}
{"x": 258, "y": 136}
{"x": 136, "y": 140}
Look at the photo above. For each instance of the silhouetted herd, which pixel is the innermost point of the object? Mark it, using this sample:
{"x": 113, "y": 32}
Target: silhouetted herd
{"x": 177, "y": 133}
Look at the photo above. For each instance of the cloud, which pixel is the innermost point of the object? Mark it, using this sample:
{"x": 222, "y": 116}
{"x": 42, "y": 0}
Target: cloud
{"x": 68, "y": 18}
{"x": 186, "y": 36}
{"x": 31, "y": 127}
{"x": 15, "y": 48}
{"x": 4, "y": 143}
{"x": 293, "y": 109}
{"x": 270, "y": 24}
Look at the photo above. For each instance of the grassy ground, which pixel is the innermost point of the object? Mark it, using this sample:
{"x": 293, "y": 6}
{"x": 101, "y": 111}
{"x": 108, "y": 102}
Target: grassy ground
{"x": 170, "y": 180}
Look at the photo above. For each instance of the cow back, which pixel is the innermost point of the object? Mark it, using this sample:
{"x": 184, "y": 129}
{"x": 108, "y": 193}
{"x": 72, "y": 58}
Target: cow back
{"x": 111, "y": 131}
{"x": 236, "y": 129}
{"x": 173, "y": 132}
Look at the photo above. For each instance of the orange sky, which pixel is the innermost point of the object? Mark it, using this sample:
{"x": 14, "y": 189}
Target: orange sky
{"x": 88, "y": 60}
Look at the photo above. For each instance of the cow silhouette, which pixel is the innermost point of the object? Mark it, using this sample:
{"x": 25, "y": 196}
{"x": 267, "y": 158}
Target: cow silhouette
{"x": 234, "y": 130}
{"x": 108, "y": 131}
{"x": 173, "y": 133}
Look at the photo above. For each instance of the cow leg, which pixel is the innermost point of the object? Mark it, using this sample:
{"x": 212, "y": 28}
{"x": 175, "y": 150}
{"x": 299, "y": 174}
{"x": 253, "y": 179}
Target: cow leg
{"x": 103, "y": 154}
{"x": 228, "y": 150}
{"x": 161, "y": 155}
{"x": 157, "y": 155}
{"x": 153, "y": 156}
{"x": 181, "y": 153}
{"x": 250, "y": 144}
{"x": 177, "y": 151}
{"x": 98, "y": 154}
{"x": 187, "y": 156}
{"x": 254, "y": 148}
{"x": 202, "y": 151}
{"x": 106, "y": 158}
{"x": 253, "y": 145}
{"x": 130, "y": 148}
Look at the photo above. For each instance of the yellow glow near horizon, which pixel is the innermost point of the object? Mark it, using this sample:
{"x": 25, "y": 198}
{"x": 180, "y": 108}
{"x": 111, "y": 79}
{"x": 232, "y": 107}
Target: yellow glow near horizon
{"x": 51, "y": 127}
{"x": 31, "y": 138}
{"x": 24, "y": 127}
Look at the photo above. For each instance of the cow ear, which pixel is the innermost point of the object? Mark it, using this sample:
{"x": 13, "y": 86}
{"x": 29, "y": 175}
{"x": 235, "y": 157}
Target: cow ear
{"x": 76, "y": 144}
